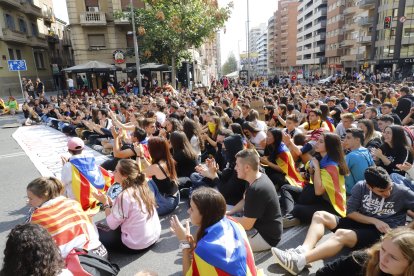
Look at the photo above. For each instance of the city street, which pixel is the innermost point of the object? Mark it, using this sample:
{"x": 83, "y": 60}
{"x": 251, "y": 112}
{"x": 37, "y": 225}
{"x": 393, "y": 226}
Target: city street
{"x": 164, "y": 258}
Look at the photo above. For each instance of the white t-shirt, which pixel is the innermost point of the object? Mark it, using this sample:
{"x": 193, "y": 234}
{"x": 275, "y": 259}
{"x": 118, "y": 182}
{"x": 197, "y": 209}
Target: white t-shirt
{"x": 70, "y": 82}
{"x": 195, "y": 144}
{"x": 160, "y": 117}
{"x": 260, "y": 125}
{"x": 260, "y": 136}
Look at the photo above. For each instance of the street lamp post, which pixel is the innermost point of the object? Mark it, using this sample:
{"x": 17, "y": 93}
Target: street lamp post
{"x": 248, "y": 44}
{"x": 137, "y": 63}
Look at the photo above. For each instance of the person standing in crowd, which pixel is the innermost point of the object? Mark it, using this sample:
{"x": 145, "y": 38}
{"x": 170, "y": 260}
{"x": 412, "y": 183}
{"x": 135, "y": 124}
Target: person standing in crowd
{"x": 405, "y": 102}
{"x": 260, "y": 206}
{"x": 40, "y": 87}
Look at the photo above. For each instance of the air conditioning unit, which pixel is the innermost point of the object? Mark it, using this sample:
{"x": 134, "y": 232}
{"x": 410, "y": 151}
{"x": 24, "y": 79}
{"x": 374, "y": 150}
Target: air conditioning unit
{"x": 93, "y": 9}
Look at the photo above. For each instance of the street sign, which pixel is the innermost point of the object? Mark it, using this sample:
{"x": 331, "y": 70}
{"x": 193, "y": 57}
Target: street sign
{"x": 17, "y": 65}
{"x": 402, "y": 19}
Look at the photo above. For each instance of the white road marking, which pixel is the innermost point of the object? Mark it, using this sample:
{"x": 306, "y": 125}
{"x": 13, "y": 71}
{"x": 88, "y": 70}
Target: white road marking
{"x": 10, "y": 155}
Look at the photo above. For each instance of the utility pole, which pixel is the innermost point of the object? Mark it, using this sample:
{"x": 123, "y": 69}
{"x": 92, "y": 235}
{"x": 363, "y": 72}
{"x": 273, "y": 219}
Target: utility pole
{"x": 137, "y": 63}
{"x": 248, "y": 44}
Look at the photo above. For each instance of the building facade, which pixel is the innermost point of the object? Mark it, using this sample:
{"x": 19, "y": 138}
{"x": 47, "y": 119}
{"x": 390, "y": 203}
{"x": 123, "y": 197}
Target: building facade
{"x": 334, "y": 36}
{"x": 271, "y": 46}
{"x": 286, "y": 36}
{"x": 23, "y": 37}
{"x": 261, "y": 68}
{"x": 311, "y": 34}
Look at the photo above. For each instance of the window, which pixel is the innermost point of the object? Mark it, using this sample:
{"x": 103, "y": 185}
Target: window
{"x": 39, "y": 60}
{"x": 18, "y": 54}
{"x": 96, "y": 40}
{"x": 35, "y": 31}
{"x": 9, "y": 21}
{"x": 22, "y": 26}
{"x": 11, "y": 54}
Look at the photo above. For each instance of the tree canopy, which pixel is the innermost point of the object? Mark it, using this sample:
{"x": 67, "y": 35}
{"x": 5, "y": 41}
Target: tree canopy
{"x": 230, "y": 65}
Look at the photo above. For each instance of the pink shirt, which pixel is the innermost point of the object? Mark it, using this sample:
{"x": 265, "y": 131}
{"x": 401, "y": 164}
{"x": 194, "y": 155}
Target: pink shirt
{"x": 139, "y": 231}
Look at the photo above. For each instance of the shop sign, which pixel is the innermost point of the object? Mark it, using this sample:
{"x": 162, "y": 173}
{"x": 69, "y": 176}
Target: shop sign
{"x": 119, "y": 56}
{"x": 396, "y": 61}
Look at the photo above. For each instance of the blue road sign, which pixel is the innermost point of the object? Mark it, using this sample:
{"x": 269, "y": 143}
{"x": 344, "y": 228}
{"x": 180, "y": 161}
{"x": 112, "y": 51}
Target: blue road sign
{"x": 17, "y": 65}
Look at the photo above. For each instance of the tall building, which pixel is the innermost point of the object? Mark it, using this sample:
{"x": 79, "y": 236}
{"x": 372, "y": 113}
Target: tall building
{"x": 311, "y": 36}
{"x": 394, "y": 46}
{"x": 286, "y": 36}
{"x": 334, "y": 36}
{"x": 23, "y": 36}
{"x": 254, "y": 35}
{"x": 271, "y": 46}
{"x": 261, "y": 68}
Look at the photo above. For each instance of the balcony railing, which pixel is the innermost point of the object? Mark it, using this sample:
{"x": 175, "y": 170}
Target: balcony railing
{"x": 122, "y": 20}
{"x": 14, "y": 36}
{"x": 364, "y": 21}
{"x": 93, "y": 19}
{"x": 38, "y": 41}
{"x": 364, "y": 4}
{"x": 364, "y": 39}
{"x": 350, "y": 10}
{"x": 14, "y": 3}
{"x": 31, "y": 9}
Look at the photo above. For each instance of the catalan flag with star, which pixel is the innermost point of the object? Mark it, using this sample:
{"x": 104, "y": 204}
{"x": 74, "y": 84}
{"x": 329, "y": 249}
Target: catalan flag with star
{"x": 223, "y": 250}
{"x": 87, "y": 177}
{"x": 334, "y": 184}
{"x": 285, "y": 161}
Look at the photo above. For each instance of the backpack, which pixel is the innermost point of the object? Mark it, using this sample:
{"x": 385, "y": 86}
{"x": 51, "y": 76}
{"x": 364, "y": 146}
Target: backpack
{"x": 83, "y": 263}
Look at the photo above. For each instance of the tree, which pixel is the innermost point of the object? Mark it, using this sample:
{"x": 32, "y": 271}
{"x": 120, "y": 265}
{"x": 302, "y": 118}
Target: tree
{"x": 230, "y": 65}
{"x": 168, "y": 28}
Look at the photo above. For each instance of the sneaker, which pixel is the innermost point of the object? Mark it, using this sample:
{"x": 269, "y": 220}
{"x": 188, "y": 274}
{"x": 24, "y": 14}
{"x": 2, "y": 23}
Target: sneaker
{"x": 300, "y": 250}
{"x": 288, "y": 260}
{"x": 290, "y": 221}
{"x": 97, "y": 147}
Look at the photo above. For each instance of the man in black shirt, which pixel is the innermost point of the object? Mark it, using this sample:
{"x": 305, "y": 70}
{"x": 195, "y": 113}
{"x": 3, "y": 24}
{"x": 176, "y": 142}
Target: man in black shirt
{"x": 262, "y": 216}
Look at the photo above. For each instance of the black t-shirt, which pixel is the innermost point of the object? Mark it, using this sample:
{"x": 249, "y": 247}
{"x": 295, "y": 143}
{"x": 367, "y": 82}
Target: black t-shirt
{"x": 262, "y": 203}
{"x": 337, "y": 115}
{"x": 184, "y": 166}
{"x": 396, "y": 156}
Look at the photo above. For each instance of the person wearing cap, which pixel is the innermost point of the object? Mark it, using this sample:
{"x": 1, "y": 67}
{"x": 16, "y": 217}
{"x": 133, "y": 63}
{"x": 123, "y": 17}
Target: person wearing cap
{"x": 82, "y": 176}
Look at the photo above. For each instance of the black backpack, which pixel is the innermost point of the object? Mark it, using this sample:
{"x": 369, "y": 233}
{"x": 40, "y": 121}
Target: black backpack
{"x": 95, "y": 265}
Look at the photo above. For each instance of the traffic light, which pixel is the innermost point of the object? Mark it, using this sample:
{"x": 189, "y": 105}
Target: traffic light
{"x": 387, "y": 22}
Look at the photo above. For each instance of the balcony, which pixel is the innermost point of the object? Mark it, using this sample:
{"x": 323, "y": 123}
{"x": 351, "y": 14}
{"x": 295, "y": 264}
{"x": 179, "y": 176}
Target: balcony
{"x": 333, "y": 53}
{"x": 38, "y": 41}
{"x": 319, "y": 37}
{"x": 93, "y": 19}
{"x": 52, "y": 38}
{"x": 48, "y": 15}
{"x": 30, "y": 8}
{"x": 320, "y": 12}
{"x": 352, "y": 57}
{"x": 350, "y": 10}
{"x": 11, "y": 3}
{"x": 124, "y": 20}
{"x": 364, "y": 39}
{"x": 347, "y": 43}
{"x": 319, "y": 49}
{"x": 14, "y": 36}
{"x": 366, "y": 4}
{"x": 350, "y": 27}
{"x": 365, "y": 21}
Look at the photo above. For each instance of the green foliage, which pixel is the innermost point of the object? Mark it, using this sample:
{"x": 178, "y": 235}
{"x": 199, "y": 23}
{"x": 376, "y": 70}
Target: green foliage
{"x": 166, "y": 29}
{"x": 230, "y": 65}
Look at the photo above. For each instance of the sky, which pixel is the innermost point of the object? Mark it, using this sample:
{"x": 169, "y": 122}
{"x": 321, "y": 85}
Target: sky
{"x": 260, "y": 12}
{"x": 235, "y": 36}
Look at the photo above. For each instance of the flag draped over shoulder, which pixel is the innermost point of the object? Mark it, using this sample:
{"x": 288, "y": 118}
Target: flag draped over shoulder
{"x": 224, "y": 250}
{"x": 86, "y": 178}
{"x": 67, "y": 223}
{"x": 285, "y": 161}
{"x": 330, "y": 123}
{"x": 334, "y": 184}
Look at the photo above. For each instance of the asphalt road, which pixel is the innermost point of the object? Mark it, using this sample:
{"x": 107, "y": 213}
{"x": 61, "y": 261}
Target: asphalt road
{"x": 16, "y": 171}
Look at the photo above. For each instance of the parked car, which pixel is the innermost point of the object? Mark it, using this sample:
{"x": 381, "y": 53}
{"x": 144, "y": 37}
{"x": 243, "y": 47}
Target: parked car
{"x": 325, "y": 80}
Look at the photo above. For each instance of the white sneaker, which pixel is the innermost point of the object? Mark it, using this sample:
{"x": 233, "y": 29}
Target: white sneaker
{"x": 288, "y": 260}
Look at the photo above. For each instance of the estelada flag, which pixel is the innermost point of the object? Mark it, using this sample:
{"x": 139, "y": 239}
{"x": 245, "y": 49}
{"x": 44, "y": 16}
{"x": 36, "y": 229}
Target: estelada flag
{"x": 285, "y": 161}
{"x": 334, "y": 184}
{"x": 87, "y": 177}
{"x": 223, "y": 250}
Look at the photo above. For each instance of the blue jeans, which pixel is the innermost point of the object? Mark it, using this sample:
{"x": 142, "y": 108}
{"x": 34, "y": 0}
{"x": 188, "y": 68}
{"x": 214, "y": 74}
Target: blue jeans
{"x": 399, "y": 179}
{"x": 165, "y": 203}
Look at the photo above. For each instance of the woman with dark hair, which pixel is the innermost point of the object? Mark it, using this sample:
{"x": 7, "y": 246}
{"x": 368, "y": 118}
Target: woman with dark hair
{"x": 216, "y": 236}
{"x": 171, "y": 125}
{"x": 278, "y": 162}
{"x": 372, "y": 137}
{"x": 393, "y": 151}
{"x": 268, "y": 111}
{"x": 392, "y": 255}
{"x": 183, "y": 154}
{"x": 192, "y": 132}
{"x": 161, "y": 170}
{"x": 63, "y": 218}
{"x": 326, "y": 189}
{"x": 209, "y": 136}
{"x": 257, "y": 138}
{"x": 237, "y": 129}
{"x": 30, "y": 250}
{"x": 132, "y": 219}
{"x": 325, "y": 117}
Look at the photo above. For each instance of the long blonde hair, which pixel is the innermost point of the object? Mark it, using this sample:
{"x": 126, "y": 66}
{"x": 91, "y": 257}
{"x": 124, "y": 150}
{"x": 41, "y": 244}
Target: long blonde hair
{"x": 402, "y": 237}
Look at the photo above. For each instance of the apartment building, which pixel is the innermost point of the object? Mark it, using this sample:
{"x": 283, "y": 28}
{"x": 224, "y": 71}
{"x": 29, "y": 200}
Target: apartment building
{"x": 311, "y": 33}
{"x": 254, "y": 34}
{"x": 286, "y": 36}
{"x": 23, "y": 36}
{"x": 394, "y": 44}
{"x": 334, "y": 36}
{"x": 261, "y": 67}
{"x": 271, "y": 46}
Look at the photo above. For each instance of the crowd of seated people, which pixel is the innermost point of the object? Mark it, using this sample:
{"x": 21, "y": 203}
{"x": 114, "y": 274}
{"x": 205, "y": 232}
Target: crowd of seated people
{"x": 254, "y": 160}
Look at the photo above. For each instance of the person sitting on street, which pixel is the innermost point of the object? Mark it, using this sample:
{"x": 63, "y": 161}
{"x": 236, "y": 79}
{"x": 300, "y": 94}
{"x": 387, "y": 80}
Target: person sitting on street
{"x": 376, "y": 205}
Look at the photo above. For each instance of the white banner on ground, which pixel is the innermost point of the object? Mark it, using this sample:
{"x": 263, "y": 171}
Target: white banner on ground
{"x": 45, "y": 146}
